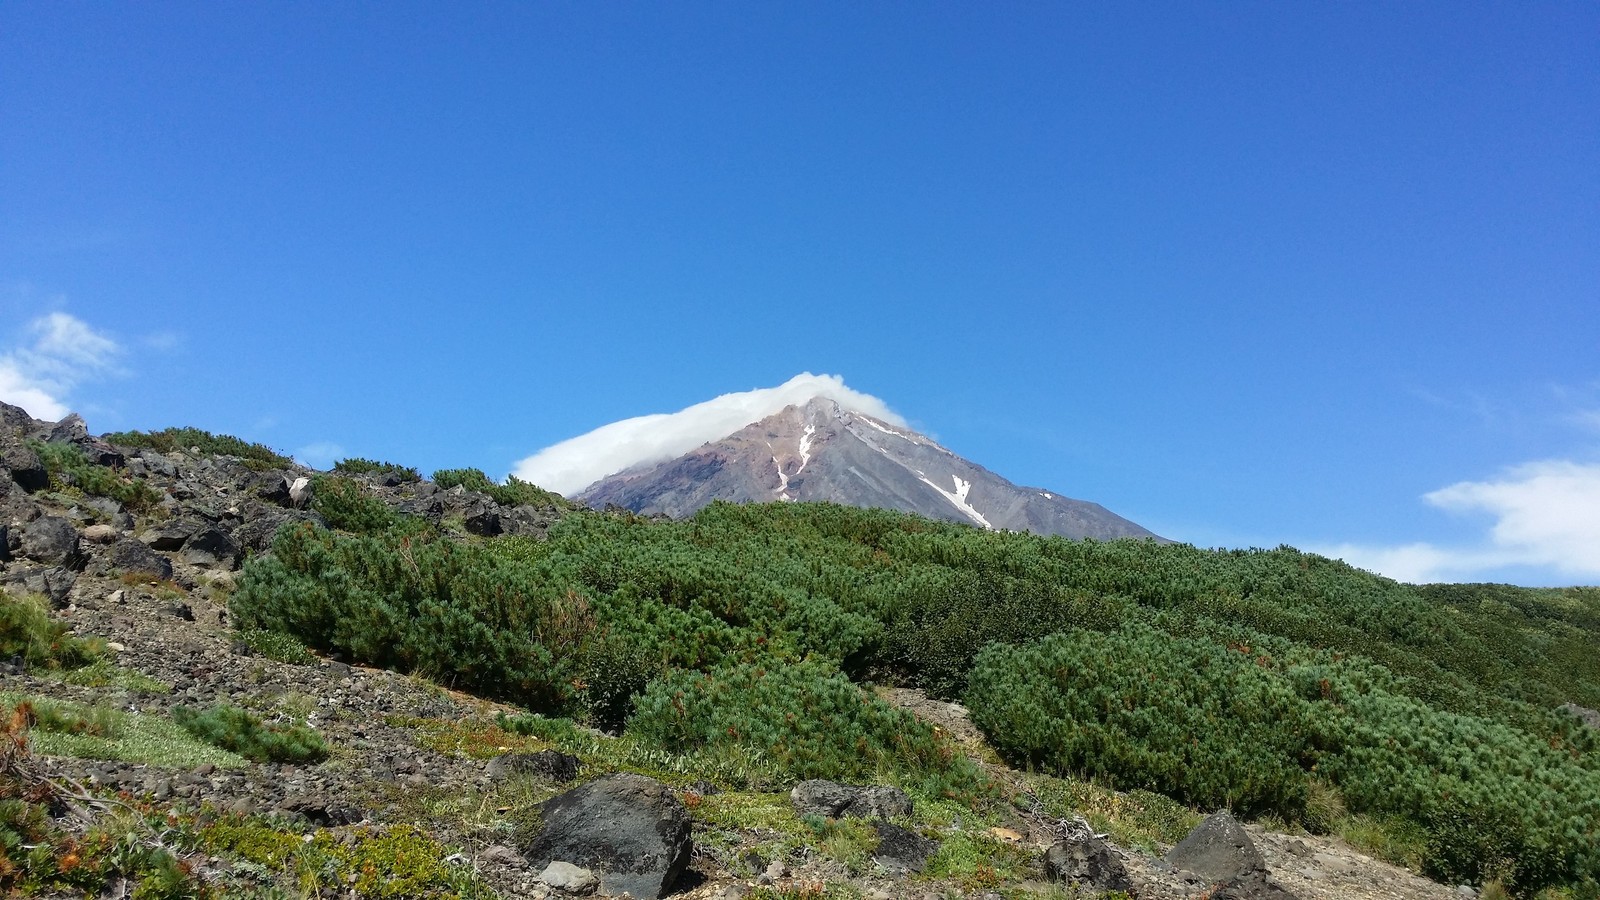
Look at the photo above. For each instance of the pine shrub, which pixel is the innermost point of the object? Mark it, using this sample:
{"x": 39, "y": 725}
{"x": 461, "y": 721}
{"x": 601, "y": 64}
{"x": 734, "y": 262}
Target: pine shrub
{"x": 239, "y": 731}
{"x": 347, "y": 505}
{"x": 356, "y": 465}
{"x": 169, "y": 440}
{"x": 805, "y": 720}
{"x": 28, "y": 633}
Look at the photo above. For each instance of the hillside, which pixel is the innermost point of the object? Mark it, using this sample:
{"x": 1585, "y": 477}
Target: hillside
{"x": 389, "y": 644}
{"x": 821, "y": 451}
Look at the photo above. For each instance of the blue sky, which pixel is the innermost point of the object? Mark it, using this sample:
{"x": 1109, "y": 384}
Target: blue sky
{"x": 1246, "y": 273}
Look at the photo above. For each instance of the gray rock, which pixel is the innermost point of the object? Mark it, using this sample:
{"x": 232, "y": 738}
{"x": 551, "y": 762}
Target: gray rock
{"x": 70, "y": 430}
{"x": 1218, "y": 849}
{"x": 833, "y": 800}
{"x": 631, "y": 831}
{"x": 130, "y": 555}
{"x": 156, "y": 463}
{"x": 1588, "y": 716}
{"x": 901, "y": 850}
{"x": 54, "y": 582}
{"x": 26, "y": 469}
{"x": 51, "y": 540}
{"x": 170, "y": 535}
{"x": 1081, "y": 858}
{"x": 1254, "y": 886}
{"x": 483, "y": 519}
{"x": 210, "y": 547}
{"x": 550, "y": 764}
{"x": 564, "y": 876}
{"x": 101, "y": 534}
{"x": 300, "y": 493}
{"x": 272, "y": 487}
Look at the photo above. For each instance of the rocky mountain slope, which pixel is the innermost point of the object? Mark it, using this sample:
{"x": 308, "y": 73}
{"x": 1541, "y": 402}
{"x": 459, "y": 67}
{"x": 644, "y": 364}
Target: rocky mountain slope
{"x": 426, "y": 792}
{"x": 821, "y": 451}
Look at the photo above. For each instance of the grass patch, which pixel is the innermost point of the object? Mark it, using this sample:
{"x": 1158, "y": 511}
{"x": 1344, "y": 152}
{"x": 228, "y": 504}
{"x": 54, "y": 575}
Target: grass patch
{"x": 977, "y": 861}
{"x": 1137, "y": 818}
{"x": 103, "y": 673}
{"x": 276, "y": 645}
{"x": 139, "y": 737}
{"x": 1393, "y": 840}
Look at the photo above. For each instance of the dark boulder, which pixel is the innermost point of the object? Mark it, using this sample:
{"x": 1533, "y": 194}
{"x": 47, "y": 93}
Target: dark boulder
{"x": 210, "y": 547}
{"x": 322, "y": 812}
{"x": 272, "y": 487}
{"x": 70, "y": 430}
{"x": 170, "y": 535}
{"x": 551, "y": 764}
{"x": 902, "y": 851}
{"x": 51, "y": 540}
{"x": 631, "y": 831}
{"x": 832, "y": 800}
{"x": 129, "y": 555}
{"x": 1218, "y": 849}
{"x": 1082, "y": 858}
{"x": 483, "y": 519}
{"x": 26, "y": 469}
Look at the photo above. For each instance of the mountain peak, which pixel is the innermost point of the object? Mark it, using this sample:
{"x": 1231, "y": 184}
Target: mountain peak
{"x": 820, "y": 450}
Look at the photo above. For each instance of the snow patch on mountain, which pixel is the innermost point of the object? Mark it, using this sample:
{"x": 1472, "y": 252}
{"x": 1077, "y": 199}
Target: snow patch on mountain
{"x": 958, "y": 498}
{"x": 573, "y": 464}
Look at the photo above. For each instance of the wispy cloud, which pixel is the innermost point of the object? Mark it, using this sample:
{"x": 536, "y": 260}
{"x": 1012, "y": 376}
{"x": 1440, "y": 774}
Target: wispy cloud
{"x": 61, "y": 351}
{"x": 574, "y": 464}
{"x": 319, "y": 455}
{"x": 1546, "y": 515}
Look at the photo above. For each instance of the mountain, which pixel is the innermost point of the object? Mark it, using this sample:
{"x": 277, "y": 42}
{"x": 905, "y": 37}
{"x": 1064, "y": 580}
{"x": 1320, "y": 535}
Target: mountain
{"x": 821, "y": 450}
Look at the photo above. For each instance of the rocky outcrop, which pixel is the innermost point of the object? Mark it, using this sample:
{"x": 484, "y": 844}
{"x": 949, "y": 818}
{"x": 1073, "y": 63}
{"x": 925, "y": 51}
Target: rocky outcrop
{"x": 832, "y": 800}
{"x": 632, "y": 832}
{"x": 1083, "y": 858}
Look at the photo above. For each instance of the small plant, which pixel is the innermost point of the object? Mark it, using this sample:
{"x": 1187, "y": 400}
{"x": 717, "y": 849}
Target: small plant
{"x": 276, "y": 645}
{"x": 28, "y": 632}
{"x": 358, "y": 466}
{"x": 231, "y": 728}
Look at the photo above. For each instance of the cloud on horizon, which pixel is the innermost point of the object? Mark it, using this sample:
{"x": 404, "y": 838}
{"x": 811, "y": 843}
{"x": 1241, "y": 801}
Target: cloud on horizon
{"x": 63, "y": 353}
{"x": 574, "y": 464}
{"x": 1546, "y": 515}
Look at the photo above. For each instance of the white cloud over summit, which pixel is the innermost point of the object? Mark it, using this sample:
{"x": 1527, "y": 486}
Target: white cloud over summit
{"x": 63, "y": 352}
{"x": 1546, "y": 514}
{"x": 576, "y": 463}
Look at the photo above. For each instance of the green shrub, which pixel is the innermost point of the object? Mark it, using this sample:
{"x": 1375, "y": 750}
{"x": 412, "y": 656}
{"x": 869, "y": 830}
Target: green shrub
{"x": 28, "y": 632}
{"x": 238, "y": 731}
{"x": 187, "y": 440}
{"x": 453, "y": 612}
{"x": 358, "y": 466}
{"x": 68, "y": 466}
{"x": 804, "y": 719}
{"x": 347, "y": 505}
{"x": 515, "y": 492}
{"x": 1147, "y": 710}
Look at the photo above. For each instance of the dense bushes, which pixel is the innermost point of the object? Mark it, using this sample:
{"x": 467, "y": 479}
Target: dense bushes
{"x": 806, "y": 720}
{"x": 1247, "y": 678}
{"x": 1237, "y": 726}
{"x": 190, "y": 439}
{"x": 1186, "y": 718}
{"x": 414, "y": 602}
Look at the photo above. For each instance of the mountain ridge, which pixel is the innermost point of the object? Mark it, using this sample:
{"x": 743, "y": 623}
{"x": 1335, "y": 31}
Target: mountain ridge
{"x": 824, "y": 451}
